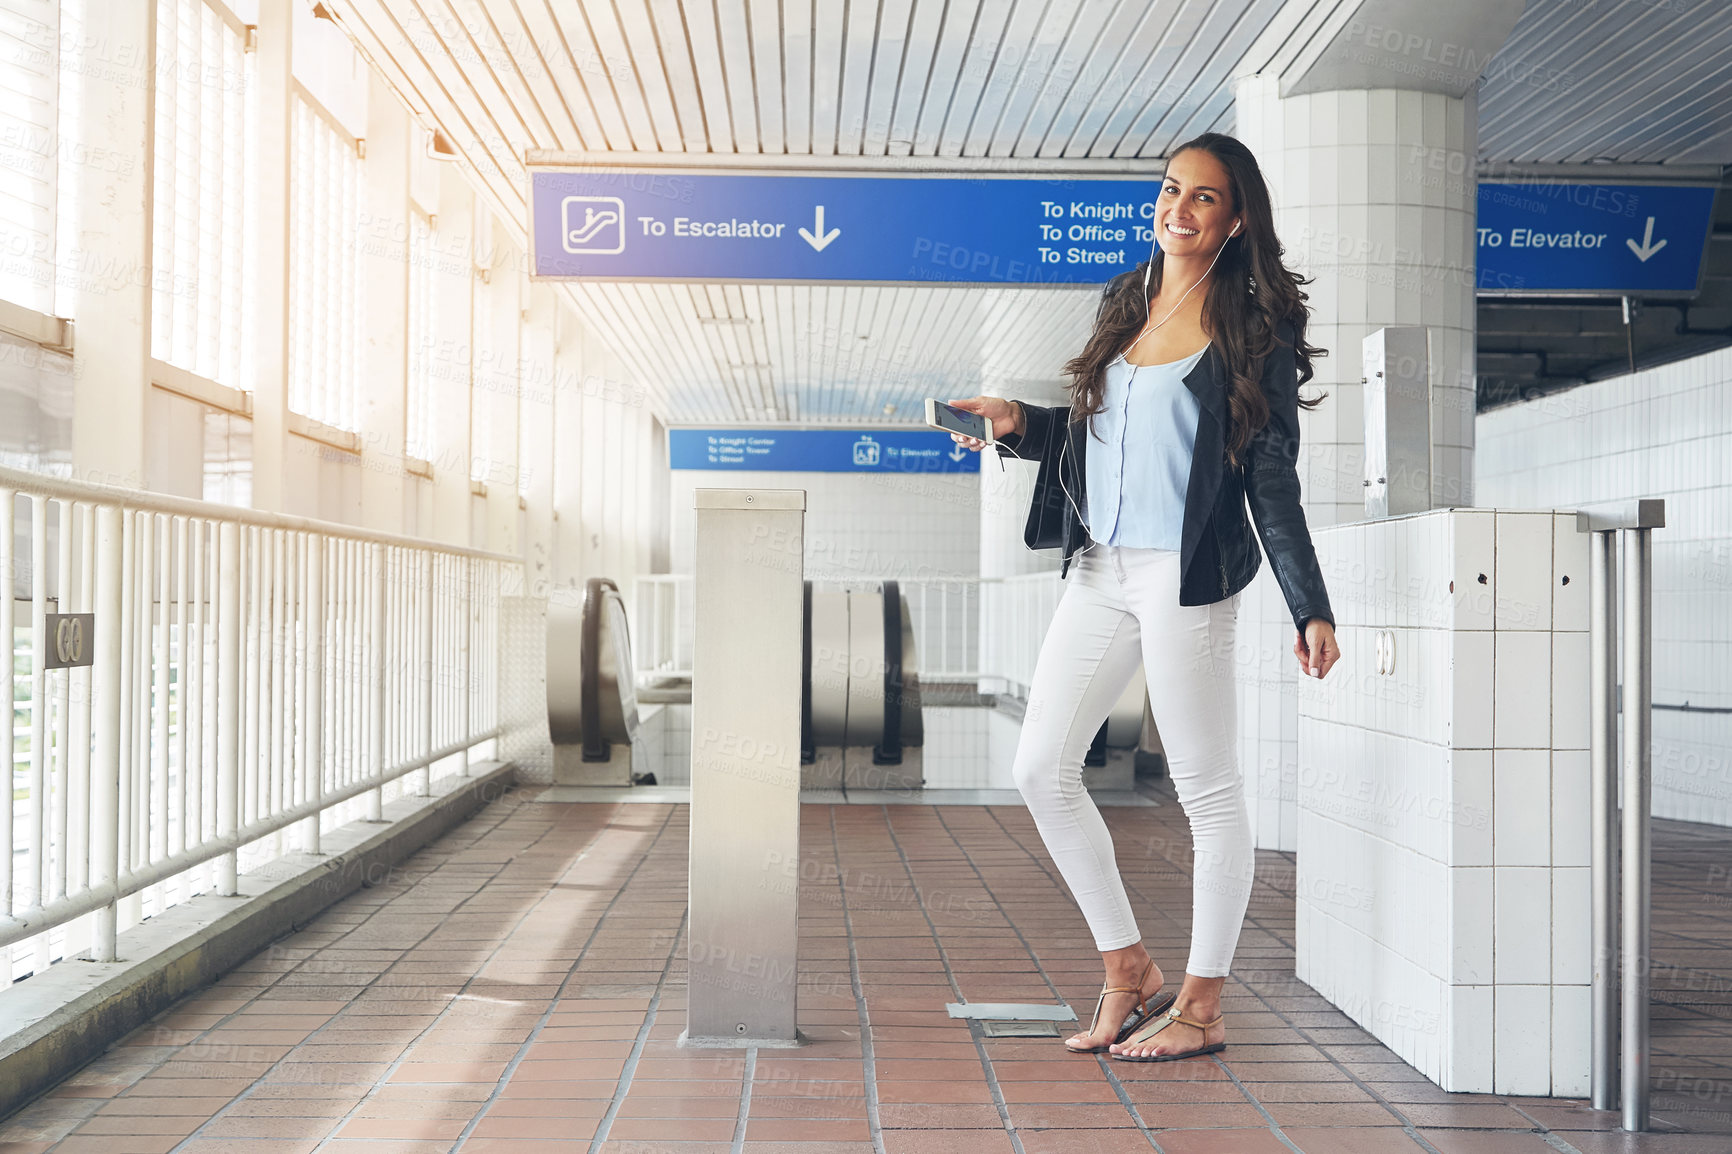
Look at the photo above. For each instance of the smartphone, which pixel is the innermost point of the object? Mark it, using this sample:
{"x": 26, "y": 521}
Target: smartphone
{"x": 954, "y": 420}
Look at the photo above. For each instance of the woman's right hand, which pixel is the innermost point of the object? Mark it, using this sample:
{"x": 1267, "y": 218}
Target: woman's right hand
{"x": 1006, "y": 418}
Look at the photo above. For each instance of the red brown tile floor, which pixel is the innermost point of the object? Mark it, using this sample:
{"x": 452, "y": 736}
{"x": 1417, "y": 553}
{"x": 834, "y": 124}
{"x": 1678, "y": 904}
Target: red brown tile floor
{"x": 518, "y": 986}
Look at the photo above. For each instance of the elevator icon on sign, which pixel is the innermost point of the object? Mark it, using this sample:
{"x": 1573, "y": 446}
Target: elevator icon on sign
{"x": 866, "y": 453}
{"x": 592, "y": 224}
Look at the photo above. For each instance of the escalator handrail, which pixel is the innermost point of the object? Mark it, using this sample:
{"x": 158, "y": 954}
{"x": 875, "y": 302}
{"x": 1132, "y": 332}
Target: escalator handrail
{"x": 889, "y": 748}
{"x": 595, "y": 746}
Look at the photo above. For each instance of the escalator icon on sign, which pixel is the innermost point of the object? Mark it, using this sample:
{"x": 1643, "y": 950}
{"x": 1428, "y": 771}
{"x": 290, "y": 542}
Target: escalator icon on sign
{"x": 592, "y": 224}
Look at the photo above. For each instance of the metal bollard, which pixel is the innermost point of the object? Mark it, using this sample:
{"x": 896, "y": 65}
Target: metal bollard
{"x": 1638, "y": 801}
{"x": 745, "y": 809}
{"x": 1620, "y": 993}
{"x": 1603, "y": 804}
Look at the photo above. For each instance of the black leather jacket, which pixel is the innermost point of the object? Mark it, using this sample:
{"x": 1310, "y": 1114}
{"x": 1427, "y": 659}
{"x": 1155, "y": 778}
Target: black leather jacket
{"x": 1218, "y": 554}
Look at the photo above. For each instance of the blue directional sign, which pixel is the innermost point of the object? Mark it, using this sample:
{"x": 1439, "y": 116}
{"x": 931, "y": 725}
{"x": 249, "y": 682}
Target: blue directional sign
{"x": 819, "y": 451}
{"x": 1624, "y": 239}
{"x": 597, "y": 225}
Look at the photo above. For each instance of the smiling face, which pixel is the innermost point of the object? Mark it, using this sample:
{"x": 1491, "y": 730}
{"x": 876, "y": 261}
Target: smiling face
{"x": 1195, "y": 213}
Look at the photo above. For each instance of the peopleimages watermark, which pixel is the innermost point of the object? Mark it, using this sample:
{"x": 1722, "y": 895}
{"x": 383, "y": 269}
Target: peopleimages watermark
{"x": 1332, "y": 788}
{"x": 785, "y": 874}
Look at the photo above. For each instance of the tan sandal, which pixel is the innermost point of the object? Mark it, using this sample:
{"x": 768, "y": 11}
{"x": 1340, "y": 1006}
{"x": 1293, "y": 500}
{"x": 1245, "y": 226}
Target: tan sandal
{"x": 1144, "y": 1009}
{"x": 1166, "y": 1020}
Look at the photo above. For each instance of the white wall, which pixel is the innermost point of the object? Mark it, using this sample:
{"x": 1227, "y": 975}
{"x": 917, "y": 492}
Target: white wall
{"x": 1664, "y": 432}
{"x": 603, "y": 454}
{"x": 1004, "y": 500}
{"x": 908, "y": 526}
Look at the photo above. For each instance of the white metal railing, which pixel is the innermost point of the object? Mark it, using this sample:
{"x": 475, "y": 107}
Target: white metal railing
{"x": 257, "y": 678}
{"x": 1019, "y": 610}
{"x": 946, "y": 618}
{"x": 945, "y": 613}
{"x": 661, "y": 625}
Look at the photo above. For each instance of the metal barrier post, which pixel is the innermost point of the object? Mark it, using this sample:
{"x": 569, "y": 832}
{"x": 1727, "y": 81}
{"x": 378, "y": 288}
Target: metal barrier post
{"x": 1638, "y": 697}
{"x": 1621, "y": 1040}
{"x": 1603, "y": 803}
{"x": 745, "y": 801}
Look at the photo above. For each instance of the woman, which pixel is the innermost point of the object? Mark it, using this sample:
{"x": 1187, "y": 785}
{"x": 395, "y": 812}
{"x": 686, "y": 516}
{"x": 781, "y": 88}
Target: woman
{"x": 1184, "y": 406}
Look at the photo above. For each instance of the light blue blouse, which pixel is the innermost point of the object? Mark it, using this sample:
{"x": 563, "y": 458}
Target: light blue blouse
{"x": 1139, "y": 454}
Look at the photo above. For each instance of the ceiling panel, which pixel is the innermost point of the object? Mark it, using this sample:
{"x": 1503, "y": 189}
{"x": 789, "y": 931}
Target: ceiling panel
{"x": 1003, "y": 78}
{"x": 1630, "y": 81}
{"x": 835, "y": 352}
{"x": 1097, "y": 78}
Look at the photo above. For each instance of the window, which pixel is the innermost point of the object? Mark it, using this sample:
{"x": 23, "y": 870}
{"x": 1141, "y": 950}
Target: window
{"x": 203, "y": 221}
{"x": 35, "y": 410}
{"x": 418, "y": 404}
{"x": 30, "y": 156}
{"x": 325, "y": 321}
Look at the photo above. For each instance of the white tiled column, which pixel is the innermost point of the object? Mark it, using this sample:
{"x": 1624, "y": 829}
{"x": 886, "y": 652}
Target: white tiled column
{"x": 1374, "y": 196}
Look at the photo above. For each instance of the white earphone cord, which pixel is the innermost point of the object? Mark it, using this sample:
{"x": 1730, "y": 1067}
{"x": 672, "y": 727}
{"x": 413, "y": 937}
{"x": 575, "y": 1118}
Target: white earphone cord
{"x": 1148, "y": 271}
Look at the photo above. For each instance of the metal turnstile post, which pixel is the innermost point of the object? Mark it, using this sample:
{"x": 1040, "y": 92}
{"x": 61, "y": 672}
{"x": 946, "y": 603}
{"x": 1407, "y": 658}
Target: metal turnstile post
{"x": 1621, "y": 800}
{"x": 1603, "y": 809}
{"x": 1638, "y": 700}
{"x": 749, "y": 585}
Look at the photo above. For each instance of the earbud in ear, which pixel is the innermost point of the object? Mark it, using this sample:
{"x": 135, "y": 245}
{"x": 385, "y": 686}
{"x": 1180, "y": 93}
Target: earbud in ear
{"x": 1235, "y": 229}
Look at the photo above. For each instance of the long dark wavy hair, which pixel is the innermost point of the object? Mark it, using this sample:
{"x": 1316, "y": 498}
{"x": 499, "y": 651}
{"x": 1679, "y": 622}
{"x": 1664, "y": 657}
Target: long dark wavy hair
{"x": 1250, "y": 292}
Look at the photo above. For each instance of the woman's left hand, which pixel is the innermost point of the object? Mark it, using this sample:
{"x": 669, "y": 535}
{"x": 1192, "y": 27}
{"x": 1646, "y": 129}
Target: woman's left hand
{"x": 1316, "y": 649}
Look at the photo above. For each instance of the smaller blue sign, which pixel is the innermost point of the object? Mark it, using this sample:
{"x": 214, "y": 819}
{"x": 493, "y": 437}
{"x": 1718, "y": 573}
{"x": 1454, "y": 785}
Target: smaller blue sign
{"x": 819, "y": 451}
{"x": 1635, "y": 239}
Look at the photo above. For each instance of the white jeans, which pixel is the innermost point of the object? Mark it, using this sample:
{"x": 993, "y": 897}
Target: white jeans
{"x": 1121, "y": 606}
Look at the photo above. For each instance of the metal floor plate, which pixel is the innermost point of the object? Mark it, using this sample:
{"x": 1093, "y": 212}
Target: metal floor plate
{"x": 993, "y": 1028}
{"x": 1011, "y": 1011}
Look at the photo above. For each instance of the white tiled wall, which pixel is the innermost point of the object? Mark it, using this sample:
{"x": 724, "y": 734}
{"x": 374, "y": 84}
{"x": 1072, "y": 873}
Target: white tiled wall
{"x": 1268, "y": 718}
{"x": 1005, "y": 495}
{"x": 1663, "y": 432}
{"x": 907, "y": 526}
{"x": 1441, "y": 816}
{"x": 664, "y": 743}
{"x": 969, "y": 748}
{"x": 649, "y": 749}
